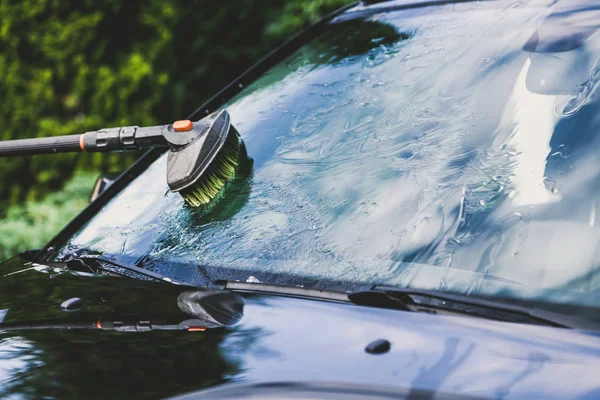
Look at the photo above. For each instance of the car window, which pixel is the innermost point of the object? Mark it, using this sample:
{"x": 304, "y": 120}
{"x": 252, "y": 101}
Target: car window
{"x": 450, "y": 148}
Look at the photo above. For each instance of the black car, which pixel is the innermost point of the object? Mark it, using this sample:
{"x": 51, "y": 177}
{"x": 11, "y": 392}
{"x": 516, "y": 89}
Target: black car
{"x": 415, "y": 218}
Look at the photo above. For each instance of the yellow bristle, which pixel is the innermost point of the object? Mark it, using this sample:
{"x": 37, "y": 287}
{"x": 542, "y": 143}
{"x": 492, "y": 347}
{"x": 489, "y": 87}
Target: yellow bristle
{"x": 221, "y": 169}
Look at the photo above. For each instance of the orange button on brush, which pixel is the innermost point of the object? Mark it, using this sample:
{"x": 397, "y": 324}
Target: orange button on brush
{"x": 182, "y": 126}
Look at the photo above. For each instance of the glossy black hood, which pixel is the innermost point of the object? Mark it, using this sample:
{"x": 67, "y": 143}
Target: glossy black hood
{"x": 262, "y": 339}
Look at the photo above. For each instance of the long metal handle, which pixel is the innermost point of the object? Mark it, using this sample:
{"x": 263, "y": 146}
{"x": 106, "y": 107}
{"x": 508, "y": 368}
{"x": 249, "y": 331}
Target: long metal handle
{"x": 49, "y": 145}
{"x": 126, "y": 138}
{"x": 104, "y": 140}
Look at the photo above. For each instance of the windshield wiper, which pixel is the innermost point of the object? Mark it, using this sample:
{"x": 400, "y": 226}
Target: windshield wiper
{"x": 284, "y": 290}
{"x": 414, "y": 300}
{"x": 430, "y": 301}
{"x": 96, "y": 264}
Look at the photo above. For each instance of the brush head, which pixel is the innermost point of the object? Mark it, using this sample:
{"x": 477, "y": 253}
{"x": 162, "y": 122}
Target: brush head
{"x": 200, "y": 169}
{"x": 221, "y": 170}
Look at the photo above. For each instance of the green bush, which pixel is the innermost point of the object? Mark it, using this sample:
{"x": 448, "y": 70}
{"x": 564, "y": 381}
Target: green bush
{"x": 32, "y": 224}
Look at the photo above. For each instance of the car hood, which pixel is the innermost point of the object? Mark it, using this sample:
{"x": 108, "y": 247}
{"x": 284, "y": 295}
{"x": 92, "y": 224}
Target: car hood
{"x": 259, "y": 338}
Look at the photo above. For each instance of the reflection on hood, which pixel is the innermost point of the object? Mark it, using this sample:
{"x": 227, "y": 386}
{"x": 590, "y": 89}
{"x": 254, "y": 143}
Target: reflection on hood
{"x": 213, "y": 308}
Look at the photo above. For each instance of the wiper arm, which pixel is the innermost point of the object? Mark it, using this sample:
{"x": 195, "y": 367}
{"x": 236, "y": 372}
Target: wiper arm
{"x": 433, "y": 301}
{"x": 97, "y": 264}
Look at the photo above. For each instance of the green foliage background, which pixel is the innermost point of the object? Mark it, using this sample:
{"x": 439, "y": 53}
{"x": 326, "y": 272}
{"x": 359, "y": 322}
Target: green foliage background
{"x": 68, "y": 66}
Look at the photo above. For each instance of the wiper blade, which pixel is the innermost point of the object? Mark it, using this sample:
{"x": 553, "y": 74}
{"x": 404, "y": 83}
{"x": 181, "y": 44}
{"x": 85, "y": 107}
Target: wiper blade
{"x": 433, "y": 301}
{"x": 285, "y": 290}
{"x": 96, "y": 264}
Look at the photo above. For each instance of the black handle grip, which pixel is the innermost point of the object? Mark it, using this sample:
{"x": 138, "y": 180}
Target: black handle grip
{"x": 48, "y": 145}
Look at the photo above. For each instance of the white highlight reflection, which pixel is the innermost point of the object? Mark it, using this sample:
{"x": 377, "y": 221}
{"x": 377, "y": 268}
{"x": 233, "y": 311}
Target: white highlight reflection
{"x": 534, "y": 120}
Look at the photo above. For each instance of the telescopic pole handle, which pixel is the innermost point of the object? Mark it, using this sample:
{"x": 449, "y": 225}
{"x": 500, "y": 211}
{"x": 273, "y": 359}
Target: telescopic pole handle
{"x": 125, "y": 138}
{"x": 47, "y": 145}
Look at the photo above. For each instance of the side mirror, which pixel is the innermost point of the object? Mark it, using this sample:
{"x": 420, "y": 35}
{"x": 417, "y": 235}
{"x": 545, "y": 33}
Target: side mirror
{"x": 102, "y": 183}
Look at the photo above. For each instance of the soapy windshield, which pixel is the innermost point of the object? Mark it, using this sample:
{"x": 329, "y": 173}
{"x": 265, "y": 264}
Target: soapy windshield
{"x": 451, "y": 148}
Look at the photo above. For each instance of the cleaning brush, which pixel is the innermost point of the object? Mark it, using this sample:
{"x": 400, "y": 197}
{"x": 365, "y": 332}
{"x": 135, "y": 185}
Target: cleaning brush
{"x": 203, "y": 155}
{"x": 217, "y": 174}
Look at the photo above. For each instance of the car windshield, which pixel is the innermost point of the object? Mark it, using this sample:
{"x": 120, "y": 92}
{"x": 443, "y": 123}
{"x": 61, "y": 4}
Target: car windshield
{"x": 451, "y": 147}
